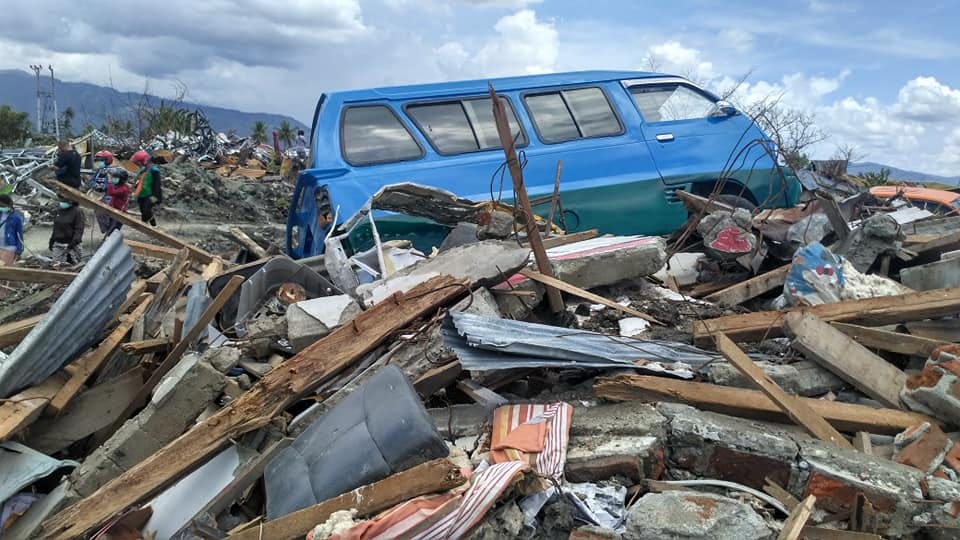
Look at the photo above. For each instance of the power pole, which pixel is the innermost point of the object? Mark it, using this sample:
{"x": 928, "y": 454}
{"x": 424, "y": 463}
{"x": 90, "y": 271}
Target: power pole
{"x": 39, "y": 125}
{"x": 53, "y": 95}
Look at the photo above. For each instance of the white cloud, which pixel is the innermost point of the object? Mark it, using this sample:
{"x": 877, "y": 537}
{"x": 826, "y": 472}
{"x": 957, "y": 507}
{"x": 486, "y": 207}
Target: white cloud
{"x": 521, "y": 44}
{"x": 926, "y": 99}
{"x": 673, "y": 57}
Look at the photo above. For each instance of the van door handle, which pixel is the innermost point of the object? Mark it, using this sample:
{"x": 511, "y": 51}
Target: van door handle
{"x": 664, "y": 137}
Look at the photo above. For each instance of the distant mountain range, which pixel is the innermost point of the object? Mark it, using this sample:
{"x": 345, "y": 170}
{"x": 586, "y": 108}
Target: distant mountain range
{"x": 92, "y": 104}
{"x": 901, "y": 174}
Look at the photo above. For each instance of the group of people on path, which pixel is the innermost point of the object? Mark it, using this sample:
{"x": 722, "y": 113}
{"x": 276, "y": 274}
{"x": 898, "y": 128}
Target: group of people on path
{"x": 66, "y": 238}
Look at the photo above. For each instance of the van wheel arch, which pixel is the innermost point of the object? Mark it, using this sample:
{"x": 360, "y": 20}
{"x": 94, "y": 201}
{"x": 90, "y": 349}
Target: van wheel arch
{"x": 731, "y": 191}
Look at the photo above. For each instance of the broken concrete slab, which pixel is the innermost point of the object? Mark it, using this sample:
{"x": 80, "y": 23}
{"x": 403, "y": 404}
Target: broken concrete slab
{"x": 683, "y": 267}
{"x": 802, "y": 378}
{"x": 693, "y": 516}
{"x": 726, "y": 235}
{"x": 877, "y": 235}
{"x": 223, "y": 359}
{"x": 610, "y": 439}
{"x": 178, "y": 399}
{"x": 310, "y": 320}
{"x": 607, "y": 260}
{"x": 936, "y": 275}
{"x": 483, "y": 263}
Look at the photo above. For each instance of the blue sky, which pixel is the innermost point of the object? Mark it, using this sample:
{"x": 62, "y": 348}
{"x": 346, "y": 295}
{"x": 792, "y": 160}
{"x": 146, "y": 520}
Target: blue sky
{"x": 881, "y": 76}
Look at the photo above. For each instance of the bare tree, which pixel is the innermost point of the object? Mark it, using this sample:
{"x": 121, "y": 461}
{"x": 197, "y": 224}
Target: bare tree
{"x": 792, "y": 130}
{"x": 848, "y": 153}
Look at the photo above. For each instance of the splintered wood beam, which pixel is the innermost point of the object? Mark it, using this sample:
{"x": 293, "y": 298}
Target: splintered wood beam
{"x": 885, "y": 340}
{"x": 86, "y": 366}
{"x": 14, "y": 332}
{"x": 20, "y": 274}
{"x": 793, "y": 526}
{"x": 847, "y": 359}
{"x": 151, "y": 250}
{"x": 586, "y": 295}
{"x": 22, "y": 409}
{"x": 275, "y": 392}
{"x": 868, "y": 312}
{"x": 797, "y": 410}
{"x": 739, "y": 293}
{"x": 130, "y": 221}
{"x": 430, "y": 477}
{"x": 846, "y": 417}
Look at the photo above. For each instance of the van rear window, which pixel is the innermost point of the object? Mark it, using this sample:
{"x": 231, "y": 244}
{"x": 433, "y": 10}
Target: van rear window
{"x": 459, "y": 127}
{"x": 573, "y": 114}
{"x": 373, "y": 134}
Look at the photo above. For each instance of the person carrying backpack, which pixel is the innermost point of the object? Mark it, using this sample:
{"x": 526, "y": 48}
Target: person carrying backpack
{"x": 148, "y": 190}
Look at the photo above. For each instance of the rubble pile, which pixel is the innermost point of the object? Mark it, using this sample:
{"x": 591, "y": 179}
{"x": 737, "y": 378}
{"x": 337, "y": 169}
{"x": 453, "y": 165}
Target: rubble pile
{"x": 775, "y": 374}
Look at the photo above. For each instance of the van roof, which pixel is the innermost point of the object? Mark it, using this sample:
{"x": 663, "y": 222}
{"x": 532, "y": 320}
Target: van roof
{"x": 479, "y": 86}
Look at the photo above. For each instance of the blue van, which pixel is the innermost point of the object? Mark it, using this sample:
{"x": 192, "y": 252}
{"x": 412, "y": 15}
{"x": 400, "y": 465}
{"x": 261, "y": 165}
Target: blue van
{"x": 628, "y": 140}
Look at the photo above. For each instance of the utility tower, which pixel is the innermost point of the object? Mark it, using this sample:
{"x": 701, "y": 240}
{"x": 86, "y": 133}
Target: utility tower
{"x": 48, "y": 120}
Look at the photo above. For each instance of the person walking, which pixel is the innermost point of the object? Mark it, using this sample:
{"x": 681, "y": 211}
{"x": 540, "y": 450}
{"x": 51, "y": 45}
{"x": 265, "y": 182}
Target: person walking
{"x": 67, "y": 166}
{"x": 67, "y": 233}
{"x": 149, "y": 190}
{"x": 11, "y": 225}
{"x": 112, "y": 182}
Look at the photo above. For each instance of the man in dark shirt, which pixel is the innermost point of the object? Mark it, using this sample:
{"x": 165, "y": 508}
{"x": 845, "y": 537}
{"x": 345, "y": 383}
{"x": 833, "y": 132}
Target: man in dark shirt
{"x": 67, "y": 166}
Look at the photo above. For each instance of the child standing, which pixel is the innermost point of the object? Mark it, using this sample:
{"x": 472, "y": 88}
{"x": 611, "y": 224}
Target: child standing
{"x": 67, "y": 233}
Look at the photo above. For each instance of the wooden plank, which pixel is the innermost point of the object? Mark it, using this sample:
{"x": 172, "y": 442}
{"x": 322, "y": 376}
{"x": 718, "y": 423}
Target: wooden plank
{"x": 554, "y": 298}
{"x": 481, "y": 394}
{"x": 147, "y": 346}
{"x": 22, "y": 409}
{"x": 797, "y": 410}
{"x": 846, "y": 358}
{"x": 777, "y": 492}
{"x": 739, "y": 293}
{"x": 181, "y": 347}
{"x": 793, "y": 526}
{"x": 832, "y": 210}
{"x": 847, "y": 417}
{"x": 92, "y": 361}
{"x": 875, "y": 338}
{"x": 128, "y": 220}
{"x": 862, "y": 442}
{"x": 151, "y": 250}
{"x": 870, "y": 312}
{"x": 20, "y": 274}
{"x": 431, "y": 477}
{"x": 241, "y": 238}
{"x": 89, "y": 412}
{"x": 254, "y": 409}
{"x": 942, "y": 330}
{"x": 437, "y": 378}
{"x": 12, "y": 333}
{"x": 941, "y": 242}
{"x": 586, "y": 295}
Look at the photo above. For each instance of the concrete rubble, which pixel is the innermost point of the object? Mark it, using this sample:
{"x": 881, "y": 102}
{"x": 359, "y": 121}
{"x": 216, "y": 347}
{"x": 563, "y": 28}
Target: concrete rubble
{"x": 750, "y": 377}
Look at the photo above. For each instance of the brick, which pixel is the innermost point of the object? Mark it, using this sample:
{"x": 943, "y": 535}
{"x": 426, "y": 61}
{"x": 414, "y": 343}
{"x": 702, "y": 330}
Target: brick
{"x": 836, "y": 496}
{"x": 603, "y": 468}
{"x": 590, "y": 532}
{"x": 926, "y": 451}
{"x": 952, "y": 459}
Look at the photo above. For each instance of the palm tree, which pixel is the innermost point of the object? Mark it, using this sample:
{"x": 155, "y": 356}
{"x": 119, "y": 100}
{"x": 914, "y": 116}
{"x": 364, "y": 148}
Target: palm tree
{"x": 259, "y": 132}
{"x": 286, "y": 133}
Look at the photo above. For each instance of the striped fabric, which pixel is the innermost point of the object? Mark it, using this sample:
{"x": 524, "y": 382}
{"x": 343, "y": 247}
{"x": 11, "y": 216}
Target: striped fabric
{"x": 548, "y": 462}
{"x": 543, "y": 438}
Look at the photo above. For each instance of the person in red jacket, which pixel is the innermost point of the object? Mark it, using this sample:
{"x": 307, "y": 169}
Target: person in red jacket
{"x": 119, "y": 192}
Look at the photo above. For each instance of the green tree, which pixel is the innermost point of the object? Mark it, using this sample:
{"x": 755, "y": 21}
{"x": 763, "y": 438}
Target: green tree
{"x": 66, "y": 121}
{"x": 286, "y": 133}
{"x": 259, "y": 132}
{"x": 872, "y": 179}
{"x": 165, "y": 118}
{"x": 14, "y": 126}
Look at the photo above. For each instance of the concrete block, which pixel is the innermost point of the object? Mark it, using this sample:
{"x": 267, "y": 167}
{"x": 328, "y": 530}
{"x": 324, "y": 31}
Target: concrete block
{"x": 310, "y": 320}
{"x": 223, "y": 359}
{"x": 936, "y": 275}
{"x": 519, "y": 307}
{"x": 803, "y": 378}
{"x": 712, "y": 445}
{"x": 613, "y": 259}
{"x": 610, "y": 439}
{"x": 481, "y": 302}
{"x": 727, "y": 236}
{"x": 694, "y": 516}
{"x": 484, "y": 263}
{"x": 267, "y": 327}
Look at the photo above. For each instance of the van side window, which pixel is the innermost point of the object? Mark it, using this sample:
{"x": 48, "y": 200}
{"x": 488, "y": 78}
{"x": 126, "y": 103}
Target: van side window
{"x": 374, "y": 134}
{"x": 459, "y": 127}
{"x": 573, "y": 114}
{"x": 672, "y": 102}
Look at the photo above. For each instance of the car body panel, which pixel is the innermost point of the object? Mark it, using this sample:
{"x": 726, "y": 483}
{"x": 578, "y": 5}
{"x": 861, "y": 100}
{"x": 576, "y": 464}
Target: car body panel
{"x": 937, "y": 201}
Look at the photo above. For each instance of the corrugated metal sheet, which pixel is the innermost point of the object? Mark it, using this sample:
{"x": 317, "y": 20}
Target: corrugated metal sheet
{"x": 489, "y": 343}
{"x": 75, "y": 321}
{"x": 21, "y": 466}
